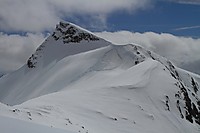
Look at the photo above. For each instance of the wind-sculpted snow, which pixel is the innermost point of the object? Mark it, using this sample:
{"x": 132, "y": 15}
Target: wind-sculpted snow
{"x": 91, "y": 85}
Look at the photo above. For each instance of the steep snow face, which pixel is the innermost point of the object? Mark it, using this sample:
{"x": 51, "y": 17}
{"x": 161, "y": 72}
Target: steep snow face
{"x": 28, "y": 83}
{"x": 94, "y": 86}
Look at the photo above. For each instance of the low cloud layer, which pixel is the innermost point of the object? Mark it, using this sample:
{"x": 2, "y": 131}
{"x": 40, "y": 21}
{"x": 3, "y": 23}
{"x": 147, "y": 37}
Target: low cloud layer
{"x": 41, "y": 15}
{"x": 15, "y": 50}
{"x": 184, "y": 52}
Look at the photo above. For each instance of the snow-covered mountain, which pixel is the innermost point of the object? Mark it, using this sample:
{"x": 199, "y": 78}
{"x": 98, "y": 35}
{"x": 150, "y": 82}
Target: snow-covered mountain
{"x": 78, "y": 82}
{"x": 31, "y": 80}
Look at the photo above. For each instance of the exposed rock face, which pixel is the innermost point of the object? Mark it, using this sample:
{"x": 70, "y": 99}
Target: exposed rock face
{"x": 185, "y": 94}
{"x": 70, "y": 34}
{"x": 32, "y": 61}
{"x": 191, "y": 113}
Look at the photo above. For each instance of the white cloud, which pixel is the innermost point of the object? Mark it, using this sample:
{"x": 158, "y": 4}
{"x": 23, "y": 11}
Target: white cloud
{"x": 40, "y": 15}
{"x": 181, "y": 50}
{"x": 26, "y": 15}
{"x": 15, "y": 49}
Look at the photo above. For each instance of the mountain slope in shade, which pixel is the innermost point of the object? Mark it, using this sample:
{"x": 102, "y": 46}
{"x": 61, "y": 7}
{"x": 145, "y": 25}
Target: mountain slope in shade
{"x": 87, "y": 84}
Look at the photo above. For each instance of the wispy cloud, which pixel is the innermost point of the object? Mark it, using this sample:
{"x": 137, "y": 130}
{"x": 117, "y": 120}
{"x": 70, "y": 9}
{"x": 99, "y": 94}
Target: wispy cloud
{"x": 187, "y": 28}
{"x": 195, "y": 2}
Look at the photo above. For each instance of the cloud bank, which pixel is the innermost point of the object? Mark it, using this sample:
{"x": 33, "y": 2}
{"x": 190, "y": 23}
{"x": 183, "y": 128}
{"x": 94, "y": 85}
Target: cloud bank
{"x": 184, "y": 52}
{"x": 16, "y": 49}
{"x": 41, "y": 15}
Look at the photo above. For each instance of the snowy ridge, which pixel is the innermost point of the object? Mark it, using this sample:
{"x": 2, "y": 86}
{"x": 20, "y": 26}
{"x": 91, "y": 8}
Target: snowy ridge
{"x": 106, "y": 88}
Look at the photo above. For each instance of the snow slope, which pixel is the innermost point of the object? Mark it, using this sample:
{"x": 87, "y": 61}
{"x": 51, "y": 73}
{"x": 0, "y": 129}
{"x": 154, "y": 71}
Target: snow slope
{"x": 25, "y": 83}
{"x": 81, "y": 83}
{"x": 10, "y": 125}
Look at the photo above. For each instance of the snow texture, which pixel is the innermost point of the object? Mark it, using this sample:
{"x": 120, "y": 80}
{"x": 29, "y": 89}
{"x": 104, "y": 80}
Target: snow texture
{"x": 78, "y": 82}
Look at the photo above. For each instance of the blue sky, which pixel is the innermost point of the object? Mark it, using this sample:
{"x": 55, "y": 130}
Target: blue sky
{"x": 163, "y": 17}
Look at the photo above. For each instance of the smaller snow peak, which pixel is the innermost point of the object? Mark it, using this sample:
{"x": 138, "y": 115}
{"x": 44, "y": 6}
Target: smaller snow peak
{"x": 71, "y": 33}
{"x": 67, "y": 39}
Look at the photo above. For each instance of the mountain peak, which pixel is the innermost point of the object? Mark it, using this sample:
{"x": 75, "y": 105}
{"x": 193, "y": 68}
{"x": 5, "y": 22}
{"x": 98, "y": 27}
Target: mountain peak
{"x": 71, "y": 33}
{"x": 67, "y": 39}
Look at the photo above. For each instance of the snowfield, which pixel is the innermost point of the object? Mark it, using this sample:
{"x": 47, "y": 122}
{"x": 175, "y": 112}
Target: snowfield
{"x": 10, "y": 125}
{"x": 78, "y": 83}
